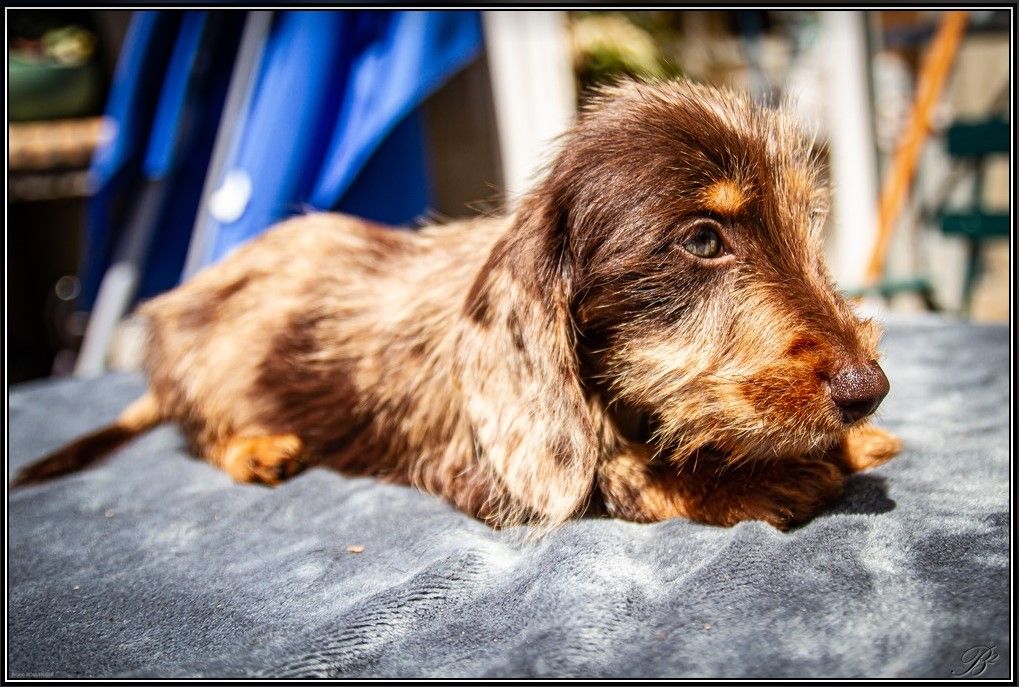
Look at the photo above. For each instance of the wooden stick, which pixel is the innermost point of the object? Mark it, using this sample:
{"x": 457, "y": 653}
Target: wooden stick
{"x": 933, "y": 74}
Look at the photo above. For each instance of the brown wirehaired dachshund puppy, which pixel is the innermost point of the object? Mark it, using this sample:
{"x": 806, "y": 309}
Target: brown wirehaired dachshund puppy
{"x": 652, "y": 334}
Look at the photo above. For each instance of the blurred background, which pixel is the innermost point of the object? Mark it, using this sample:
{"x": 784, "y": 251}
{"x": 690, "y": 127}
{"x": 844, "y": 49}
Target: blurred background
{"x": 144, "y": 146}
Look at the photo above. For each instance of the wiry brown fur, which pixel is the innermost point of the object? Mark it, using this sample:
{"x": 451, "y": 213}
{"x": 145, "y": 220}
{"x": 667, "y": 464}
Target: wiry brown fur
{"x": 522, "y": 367}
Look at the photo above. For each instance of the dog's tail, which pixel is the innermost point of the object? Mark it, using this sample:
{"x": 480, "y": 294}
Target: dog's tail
{"x": 136, "y": 419}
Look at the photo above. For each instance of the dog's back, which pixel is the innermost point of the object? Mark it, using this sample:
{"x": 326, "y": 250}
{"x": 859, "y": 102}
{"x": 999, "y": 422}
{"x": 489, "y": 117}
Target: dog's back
{"x": 316, "y": 326}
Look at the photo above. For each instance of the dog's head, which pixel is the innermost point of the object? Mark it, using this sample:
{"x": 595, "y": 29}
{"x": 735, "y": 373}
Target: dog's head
{"x": 671, "y": 262}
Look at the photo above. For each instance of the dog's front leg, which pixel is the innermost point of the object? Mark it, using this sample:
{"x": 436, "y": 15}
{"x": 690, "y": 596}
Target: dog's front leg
{"x": 781, "y": 492}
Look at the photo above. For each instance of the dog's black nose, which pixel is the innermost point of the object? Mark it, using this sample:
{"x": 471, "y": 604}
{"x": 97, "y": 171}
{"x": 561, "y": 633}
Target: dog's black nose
{"x": 858, "y": 390}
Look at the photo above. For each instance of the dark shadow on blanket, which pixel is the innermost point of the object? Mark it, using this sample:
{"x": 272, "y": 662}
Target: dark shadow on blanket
{"x": 863, "y": 495}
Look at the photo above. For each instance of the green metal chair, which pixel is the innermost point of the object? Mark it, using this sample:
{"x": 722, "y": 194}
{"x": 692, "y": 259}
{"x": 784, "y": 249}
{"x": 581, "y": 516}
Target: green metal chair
{"x": 972, "y": 143}
{"x": 969, "y": 144}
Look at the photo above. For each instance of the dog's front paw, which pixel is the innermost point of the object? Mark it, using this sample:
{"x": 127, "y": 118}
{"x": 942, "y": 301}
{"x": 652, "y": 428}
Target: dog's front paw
{"x": 785, "y": 493}
{"x": 782, "y": 492}
{"x": 867, "y": 446}
{"x": 264, "y": 459}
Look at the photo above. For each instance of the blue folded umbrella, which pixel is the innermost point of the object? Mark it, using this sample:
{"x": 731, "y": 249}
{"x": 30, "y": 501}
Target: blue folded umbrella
{"x": 333, "y": 124}
{"x": 352, "y": 80}
{"x": 116, "y": 166}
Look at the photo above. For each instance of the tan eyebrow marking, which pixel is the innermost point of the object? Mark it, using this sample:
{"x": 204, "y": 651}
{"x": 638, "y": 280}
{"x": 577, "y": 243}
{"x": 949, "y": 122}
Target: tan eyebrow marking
{"x": 724, "y": 197}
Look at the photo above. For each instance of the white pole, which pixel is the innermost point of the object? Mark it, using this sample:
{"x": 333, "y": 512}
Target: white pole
{"x": 238, "y": 100}
{"x": 533, "y": 90}
{"x": 853, "y": 154}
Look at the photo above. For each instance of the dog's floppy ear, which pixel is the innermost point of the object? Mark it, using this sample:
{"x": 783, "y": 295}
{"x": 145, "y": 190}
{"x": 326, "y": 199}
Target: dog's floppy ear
{"x": 517, "y": 370}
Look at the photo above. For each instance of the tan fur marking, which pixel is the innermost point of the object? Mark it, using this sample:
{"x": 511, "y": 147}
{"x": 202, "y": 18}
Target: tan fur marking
{"x": 868, "y": 446}
{"x": 725, "y": 197}
{"x": 140, "y": 415}
{"x": 264, "y": 459}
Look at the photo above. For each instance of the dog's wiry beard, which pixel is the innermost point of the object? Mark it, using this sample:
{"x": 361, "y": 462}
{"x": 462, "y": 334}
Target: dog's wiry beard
{"x": 704, "y": 422}
{"x": 685, "y": 398}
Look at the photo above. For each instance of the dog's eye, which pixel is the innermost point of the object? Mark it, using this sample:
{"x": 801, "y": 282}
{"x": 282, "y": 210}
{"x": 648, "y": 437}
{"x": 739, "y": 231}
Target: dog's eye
{"x": 705, "y": 243}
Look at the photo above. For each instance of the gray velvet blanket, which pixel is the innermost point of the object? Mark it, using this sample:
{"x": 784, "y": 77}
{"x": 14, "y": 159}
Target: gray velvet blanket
{"x": 155, "y": 564}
